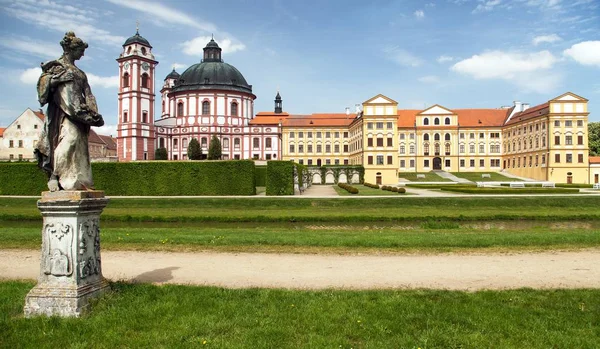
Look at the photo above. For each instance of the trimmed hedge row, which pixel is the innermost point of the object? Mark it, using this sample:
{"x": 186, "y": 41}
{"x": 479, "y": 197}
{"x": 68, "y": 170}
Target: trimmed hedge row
{"x": 374, "y": 186}
{"x": 160, "y": 178}
{"x": 261, "y": 176}
{"x": 529, "y": 190}
{"x": 393, "y": 189}
{"x": 350, "y": 189}
{"x": 280, "y": 177}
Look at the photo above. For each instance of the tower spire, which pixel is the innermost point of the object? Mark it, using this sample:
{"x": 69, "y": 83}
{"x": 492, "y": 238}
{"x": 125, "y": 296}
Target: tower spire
{"x": 137, "y": 27}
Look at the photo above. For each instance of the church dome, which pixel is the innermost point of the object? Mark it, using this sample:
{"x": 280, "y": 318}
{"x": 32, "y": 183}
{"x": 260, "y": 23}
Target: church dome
{"x": 137, "y": 38}
{"x": 173, "y": 75}
{"x": 212, "y": 73}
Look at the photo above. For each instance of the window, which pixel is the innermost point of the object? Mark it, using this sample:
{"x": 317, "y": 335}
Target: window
{"x": 447, "y": 163}
{"x": 145, "y": 117}
{"x": 543, "y": 159}
{"x": 389, "y": 159}
{"x": 336, "y": 135}
{"x": 145, "y": 80}
{"x": 328, "y": 148}
{"x": 369, "y": 142}
{"x": 425, "y": 163}
{"x": 180, "y": 109}
{"x": 579, "y": 123}
{"x": 35, "y": 127}
{"x": 412, "y": 136}
{"x": 481, "y": 163}
{"x": 300, "y": 134}
{"x": 126, "y": 80}
{"x": 309, "y": 148}
{"x": 426, "y": 121}
{"x": 184, "y": 143}
{"x": 495, "y": 162}
{"x": 402, "y": 163}
{"x": 447, "y": 121}
{"x": 569, "y": 140}
{"x": 370, "y": 160}
{"x": 462, "y": 148}
{"x": 319, "y": 148}
{"x": 336, "y": 148}
{"x": 436, "y": 121}
{"x": 292, "y": 148}
{"x": 308, "y": 134}
{"x": 300, "y": 148}
{"x": 345, "y": 148}
{"x": 426, "y": 137}
{"x": 345, "y": 134}
{"x": 236, "y": 143}
{"x": 379, "y": 125}
{"x": 556, "y": 140}
{"x": 580, "y": 158}
{"x": 436, "y": 149}
{"x": 472, "y": 163}
{"x": 569, "y": 158}
{"x": 402, "y": 136}
{"x": 426, "y": 149}
{"x": 462, "y": 136}
{"x": 568, "y": 123}
{"x": 175, "y": 143}
{"x": 204, "y": 142}
{"x": 412, "y": 163}
{"x": 20, "y": 144}
{"x": 481, "y": 135}
{"x": 390, "y": 142}
{"x": 310, "y": 162}
{"x": 556, "y": 123}
{"x": 557, "y": 158}
{"x": 543, "y": 141}
{"x": 412, "y": 148}
{"x": 327, "y": 134}
{"x": 143, "y": 51}
{"x": 234, "y": 109}
{"x": 255, "y": 142}
{"x": 369, "y": 125}
{"x": 471, "y": 148}
{"x": 447, "y": 148}
{"x": 226, "y": 143}
{"x": 292, "y": 134}
{"x": 580, "y": 140}
{"x": 390, "y": 125}
{"x": 447, "y": 137}
{"x": 482, "y": 148}
{"x": 436, "y": 137}
{"x": 206, "y": 108}
{"x": 11, "y": 144}
{"x": 268, "y": 143}
{"x": 318, "y": 134}
{"x": 471, "y": 135}
{"x": 462, "y": 162}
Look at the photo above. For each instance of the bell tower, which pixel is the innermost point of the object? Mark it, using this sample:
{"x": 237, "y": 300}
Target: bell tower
{"x": 135, "y": 125}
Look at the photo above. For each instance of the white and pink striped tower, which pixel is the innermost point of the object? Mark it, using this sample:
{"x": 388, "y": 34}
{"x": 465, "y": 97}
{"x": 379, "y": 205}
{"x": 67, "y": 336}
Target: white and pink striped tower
{"x": 135, "y": 125}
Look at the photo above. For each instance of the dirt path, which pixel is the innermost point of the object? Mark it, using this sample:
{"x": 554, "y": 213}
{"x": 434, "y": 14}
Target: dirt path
{"x": 579, "y": 269}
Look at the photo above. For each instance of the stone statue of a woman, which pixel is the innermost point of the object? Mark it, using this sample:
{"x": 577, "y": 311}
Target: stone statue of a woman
{"x": 62, "y": 150}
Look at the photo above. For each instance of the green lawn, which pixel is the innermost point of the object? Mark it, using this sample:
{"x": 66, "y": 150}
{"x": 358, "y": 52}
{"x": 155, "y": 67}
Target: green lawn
{"x": 429, "y": 177}
{"x": 329, "y": 210}
{"x": 147, "y": 316}
{"x": 476, "y": 177}
{"x": 364, "y": 191}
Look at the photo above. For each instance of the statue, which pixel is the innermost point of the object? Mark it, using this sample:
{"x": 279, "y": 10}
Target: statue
{"x": 62, "y": 150}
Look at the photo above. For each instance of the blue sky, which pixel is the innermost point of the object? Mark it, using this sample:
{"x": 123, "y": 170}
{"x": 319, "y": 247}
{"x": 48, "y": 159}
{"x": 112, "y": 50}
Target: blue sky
{"x": 323, "y": 55}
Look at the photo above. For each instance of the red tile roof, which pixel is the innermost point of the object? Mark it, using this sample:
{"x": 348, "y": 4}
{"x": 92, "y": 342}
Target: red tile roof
{"x": 312, "y": 120}
{"x": 2, "y": 131}
{"x": 110, "y": 141}
{"x": 466, "y": 118}
{"x": 594, "y": 159}
{"x": 94, "y": 138}
{"x": 40, "y": 114}
{"x": 530, "y": 113}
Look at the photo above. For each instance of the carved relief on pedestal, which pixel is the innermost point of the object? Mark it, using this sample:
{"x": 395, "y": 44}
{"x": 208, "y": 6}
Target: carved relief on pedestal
{"x": 56, "y": 247}
{"x": 89, "y": 248}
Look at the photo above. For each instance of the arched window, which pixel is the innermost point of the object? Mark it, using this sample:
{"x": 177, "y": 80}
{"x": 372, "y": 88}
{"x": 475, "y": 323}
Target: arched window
{"x": 268, "y": 143}
{"x": 145, "y": 117}
{"x": 236, "y": 142}
{"x": 447, "y": 121}
{"x": 129, "y": 50}
{"x": 426, "y": 121}
{"x": 225, "y": 142}
{"x": 161, "y": 142}
{"x": 203, "y": 142}
{"x": 447, "y": 148}
{"x": 426, "y": 149}
{"x": 126, "y": 79}
{"x": 180, "y": 109}
{"x": 426, "y": 137}
{"x": 206, "y": 108}
{"x": 436, "y": 137}
{"x": 125, "y": 116}
{"x": 436, "y": 121}
{"x": 436, "y": 148}
{"x": 145, "y": 80}
{"x": 144, "y": 51}
{"x": 175, "y": 143}
{"x": 447, "y": 137}
{"x": 234, "y": 109}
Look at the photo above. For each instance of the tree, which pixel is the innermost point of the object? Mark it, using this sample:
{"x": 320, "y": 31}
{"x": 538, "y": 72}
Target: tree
{"x": 194, "y": 152}
{"x": 161, "y": 154}
{"x": 214, "y": 150}
{"x": 594, "y": 138}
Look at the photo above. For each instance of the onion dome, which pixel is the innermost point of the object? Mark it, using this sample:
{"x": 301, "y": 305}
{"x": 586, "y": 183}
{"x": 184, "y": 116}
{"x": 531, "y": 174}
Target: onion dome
{"x": 137, "y": 38}
{"x": 173, "y": 75}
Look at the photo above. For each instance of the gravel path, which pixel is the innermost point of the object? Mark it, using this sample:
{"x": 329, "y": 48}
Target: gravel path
{"x": 469, "y": 272}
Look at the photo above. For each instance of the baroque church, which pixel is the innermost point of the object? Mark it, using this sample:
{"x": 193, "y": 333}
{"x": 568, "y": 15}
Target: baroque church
{"x": 209, "y": 98}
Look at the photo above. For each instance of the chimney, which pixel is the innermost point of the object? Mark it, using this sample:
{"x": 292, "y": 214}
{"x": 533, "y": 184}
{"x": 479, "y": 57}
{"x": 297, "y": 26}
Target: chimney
{"x": 518, "y": 106}
{"x": 525, "y": 106}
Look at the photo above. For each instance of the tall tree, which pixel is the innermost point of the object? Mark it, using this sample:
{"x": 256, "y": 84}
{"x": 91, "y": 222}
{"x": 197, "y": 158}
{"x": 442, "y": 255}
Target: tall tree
{"x": 194, "y": 152}
{"x": 594, "y": 138}
{"x": 161, "y": 154}
{"x": 214, "y": 150}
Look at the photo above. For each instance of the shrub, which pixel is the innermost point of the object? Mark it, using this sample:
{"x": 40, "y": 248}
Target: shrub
{"x": 530, "y": 190}
{"x": 348, "y": 188}
{"x": 161, "y": 154}
{"x": 144, "y": 178}
{"x": 194, "y": 151}
{"x": 374, "y": 186}
{"x": 401, "y": 190}
{"x": 214, "y": 149}
{"x": 280, "y": 177}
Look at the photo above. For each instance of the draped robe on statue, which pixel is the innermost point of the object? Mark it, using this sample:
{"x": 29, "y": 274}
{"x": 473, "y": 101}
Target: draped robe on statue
{"x": 62, "y": 150}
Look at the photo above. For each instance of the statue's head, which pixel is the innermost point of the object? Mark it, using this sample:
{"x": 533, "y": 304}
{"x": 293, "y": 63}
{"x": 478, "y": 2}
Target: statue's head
{"x": 73, "y": 45}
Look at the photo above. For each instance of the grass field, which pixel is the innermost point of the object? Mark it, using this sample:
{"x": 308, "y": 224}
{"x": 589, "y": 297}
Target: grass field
{"x": 363, "y": 191}
{"x": 146, "y": 316}
{"x": 476, "y": 177}
{"x": 429, "y": 177}
{"x": 397, "y": 208}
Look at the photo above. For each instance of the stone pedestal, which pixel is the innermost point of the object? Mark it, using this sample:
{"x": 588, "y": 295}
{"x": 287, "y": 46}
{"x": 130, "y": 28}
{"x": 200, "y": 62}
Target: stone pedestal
{"x": 70, "y": 268}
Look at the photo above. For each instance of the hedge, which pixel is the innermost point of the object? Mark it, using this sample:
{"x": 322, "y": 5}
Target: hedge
{"x": 529, "y": 190}
{"x": 350, "y": 189}
{"x": 160, "y": 178}
{"x": 261, "y": 176}
{"x": 280, "y": 177}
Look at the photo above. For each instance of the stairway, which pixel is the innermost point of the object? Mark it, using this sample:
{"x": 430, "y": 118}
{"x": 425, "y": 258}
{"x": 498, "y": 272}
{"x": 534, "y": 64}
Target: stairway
{"x": 451, "y": 177}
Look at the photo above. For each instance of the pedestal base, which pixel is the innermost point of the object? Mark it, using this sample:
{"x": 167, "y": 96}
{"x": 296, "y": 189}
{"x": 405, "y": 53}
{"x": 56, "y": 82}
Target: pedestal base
{"x": 61, "y": 300}
{"x": 71, "y": 267}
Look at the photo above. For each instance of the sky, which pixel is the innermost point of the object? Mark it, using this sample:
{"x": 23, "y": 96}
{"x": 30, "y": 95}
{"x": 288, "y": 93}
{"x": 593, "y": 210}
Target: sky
{"x": 323, "y": 56}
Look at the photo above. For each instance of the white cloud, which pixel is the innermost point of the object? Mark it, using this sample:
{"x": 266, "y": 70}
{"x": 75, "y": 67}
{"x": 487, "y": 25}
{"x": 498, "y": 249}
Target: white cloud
{"x": 101, "y": 81}
{"x": 165, "y": 13}
{"x": 30, "y": 76}
{"x": 546, "y": 38}
{"x": 58, "y": 17}
{"x": 195, "y": 47}
{"x": 529, "y": 71}
{"x": 586, "y": 53}
{"x": 444, "y": 59}
{"x": 31, "y": 47}
{"x": 420, "y": 14}
{"x": 487, "y": 6}
{"x": 107, "y": 130}
{"x": 429, "y": 79}
{"x": 178, "y": 66}
{"x": 402, "y": 57}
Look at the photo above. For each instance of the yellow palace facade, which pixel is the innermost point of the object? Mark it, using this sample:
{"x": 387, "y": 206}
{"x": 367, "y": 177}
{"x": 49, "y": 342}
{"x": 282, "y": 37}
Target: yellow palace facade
{"x": 547, "y": 142}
